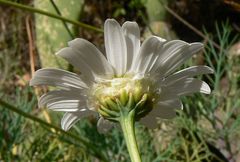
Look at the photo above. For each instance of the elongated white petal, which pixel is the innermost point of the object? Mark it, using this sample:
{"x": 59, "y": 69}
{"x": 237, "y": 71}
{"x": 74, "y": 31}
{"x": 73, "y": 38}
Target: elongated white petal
{"x": 89, "y": 54}
{"x": 70, "y": 118}
{"x": 132, "y": 36}
{"x": 176, "y": 60}
{"x": 175, "y": 103}
{"x": 115, "y": 45}
{"x": 165, "y": 110}
{"x": 167, "y": 95}
{"x": 104, "y": 125}
{"x": 67, "y": 105}
{"x": 186, "y": 86}
{"x": 148, "y": 54}
{"x": 169, "y": 49}
{"x": 58, "y": 96}
{"x": 57, "y": 77}
{"x": 149, "y": 121}
{"x": 73, "y": 57}
{"x": 187, "y": 73}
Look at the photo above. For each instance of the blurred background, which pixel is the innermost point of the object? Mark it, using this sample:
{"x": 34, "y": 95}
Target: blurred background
{"x": 32, "y": 31}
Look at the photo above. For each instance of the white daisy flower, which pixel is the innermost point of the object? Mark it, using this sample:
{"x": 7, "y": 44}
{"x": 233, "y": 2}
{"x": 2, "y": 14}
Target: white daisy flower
{"x": 132, "y": 76}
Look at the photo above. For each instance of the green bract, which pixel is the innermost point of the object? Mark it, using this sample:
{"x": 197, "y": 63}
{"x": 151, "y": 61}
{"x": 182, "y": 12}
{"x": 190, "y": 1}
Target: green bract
{"x": 109, "y": 96}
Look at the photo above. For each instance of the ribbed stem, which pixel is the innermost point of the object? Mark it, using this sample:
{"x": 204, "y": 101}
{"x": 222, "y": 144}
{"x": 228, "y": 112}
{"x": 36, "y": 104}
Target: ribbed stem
{"x": 127, "y": 123}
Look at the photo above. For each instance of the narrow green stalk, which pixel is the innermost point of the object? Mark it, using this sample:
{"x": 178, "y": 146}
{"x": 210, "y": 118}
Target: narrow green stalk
{"x": 64, "y": 23}
{"x": 35, "y": 10}
{"x": 127, "y": 123}
{"x": 88, "y": 145}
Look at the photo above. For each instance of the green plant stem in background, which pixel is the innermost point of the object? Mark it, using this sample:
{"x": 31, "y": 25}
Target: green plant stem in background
{"x": 64, "y": 23}
{"x": 35, "y": 10}
{"x": 93, "y": 149}
{"x": 127, "y": 124}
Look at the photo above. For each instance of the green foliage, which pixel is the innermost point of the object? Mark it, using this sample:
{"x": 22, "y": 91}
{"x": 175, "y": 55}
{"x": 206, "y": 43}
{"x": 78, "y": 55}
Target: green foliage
{"x": 12, "y": 125}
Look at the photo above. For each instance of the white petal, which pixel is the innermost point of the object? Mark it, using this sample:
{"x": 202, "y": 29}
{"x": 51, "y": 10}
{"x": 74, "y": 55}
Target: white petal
{"x": 149, "y": 121}
{"x": 174, "y": 103}
{"x": 104, "y": 125}
{"x": 63, "y": 100}
{"x": 187, "y": 73}
{"x": 170, "y": 48}
{"x": 73, "y": 57}
{"x": 57, "y": 77}
{"x": 88, "y": 53}
{"x": 115, "y": 45}
{"x": 67, "y": 105}
{"x": 70, "y": 118}
{"x": 148, "y": 54}
{"x": 167, "y": 95}
{"x": 132, "y": 36}
{"x": 185, "y": 87}
{"x": 176, "y": 60}
{"x": 164, "y": 110}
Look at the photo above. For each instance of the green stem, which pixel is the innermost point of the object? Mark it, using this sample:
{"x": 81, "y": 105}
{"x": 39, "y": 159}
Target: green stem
{"x": 127, "y": 124}
{"x": 35, "y": 10}
{"x": 64, "y": 23}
